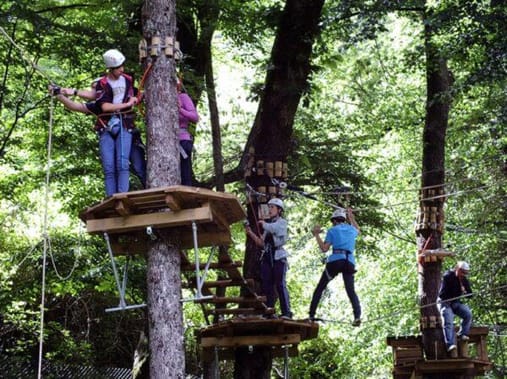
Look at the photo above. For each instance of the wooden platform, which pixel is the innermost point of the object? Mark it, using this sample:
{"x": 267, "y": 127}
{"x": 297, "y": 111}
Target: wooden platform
{"x": 125, "y": 216}
{"x": 410, "y": 363}
{"x": 228, "y": 335}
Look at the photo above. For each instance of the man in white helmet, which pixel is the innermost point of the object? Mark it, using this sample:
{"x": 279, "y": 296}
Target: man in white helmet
{"x": 455, "y": 285}
{"x": 274, "y": 257}
{"x": 342, "y": 238}
{"x": 115, "y": 98}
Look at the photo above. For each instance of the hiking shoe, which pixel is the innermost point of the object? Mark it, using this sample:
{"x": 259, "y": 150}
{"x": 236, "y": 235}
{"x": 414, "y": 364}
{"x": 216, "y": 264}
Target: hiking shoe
{"x": 451, "y": 348}
{"x": 464, "y": 338}
{"x": 356, "y": 322}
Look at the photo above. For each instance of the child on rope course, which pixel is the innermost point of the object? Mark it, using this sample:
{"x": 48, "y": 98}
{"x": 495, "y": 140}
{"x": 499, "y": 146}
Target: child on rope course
{"x": 274, "y": 256}
{"x": 342, "y": 238}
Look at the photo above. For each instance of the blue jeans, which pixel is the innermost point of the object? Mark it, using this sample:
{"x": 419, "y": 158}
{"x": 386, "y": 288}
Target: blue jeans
{"x": 447, "y": 312}
{"x": 332, "y": 270}
{"x": 186, "y": 163}
{"x": 138, "y": 161}
{"x": 114, "y": 147}
{"x": 273, "y": 277}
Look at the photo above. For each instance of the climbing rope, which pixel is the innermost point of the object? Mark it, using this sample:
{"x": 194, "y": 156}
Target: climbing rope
{"x": 45, "y": 237}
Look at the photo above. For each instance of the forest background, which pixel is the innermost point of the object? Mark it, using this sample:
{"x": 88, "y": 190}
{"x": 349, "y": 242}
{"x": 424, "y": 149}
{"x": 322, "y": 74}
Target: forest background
{"x": 358, "y": 125}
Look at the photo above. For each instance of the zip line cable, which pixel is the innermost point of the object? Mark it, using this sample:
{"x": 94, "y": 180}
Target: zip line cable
{"x": 24, "y": 57}
{"x": 403, "y": 310}
{"x": 45, "y": 237}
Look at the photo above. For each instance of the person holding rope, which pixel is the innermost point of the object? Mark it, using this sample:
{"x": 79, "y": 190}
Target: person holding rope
{"x": 274, "y": 256}
{"x": 187, "y": 114}
{"x": 342, "y": 238}
{"x": 137, "y": 151}
{"x": 455, "y": 285}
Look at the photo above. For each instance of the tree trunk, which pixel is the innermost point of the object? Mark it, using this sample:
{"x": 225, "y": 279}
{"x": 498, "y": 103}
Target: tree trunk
{"x": 167, "y": 355}
{"x": 286, "y": 82}
{"x": 429, "y": 230}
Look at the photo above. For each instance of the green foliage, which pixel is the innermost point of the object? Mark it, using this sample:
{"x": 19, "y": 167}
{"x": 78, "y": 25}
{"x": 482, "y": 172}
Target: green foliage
{"x": 359, "y": 126}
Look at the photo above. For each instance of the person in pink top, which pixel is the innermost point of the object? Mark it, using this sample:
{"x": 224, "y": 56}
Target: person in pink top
{"x": 187, "y": 114}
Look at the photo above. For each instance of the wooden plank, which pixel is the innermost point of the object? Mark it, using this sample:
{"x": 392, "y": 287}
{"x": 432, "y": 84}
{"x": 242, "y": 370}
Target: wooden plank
{"x": 284, "y": 339}
{"x": 213, "y": 265}
{"x": 172, "y": 203}
{"x": 122, "y": 206}
{"x": 221, "y": 283}
{"x": 444, "y": 365}
{"x": 404, "y": 341}
{"x": 235, "y": 311}
{"x": 157, "y": 220}
{"x": 228, "y": 354}
{"x": 234, "y": 299}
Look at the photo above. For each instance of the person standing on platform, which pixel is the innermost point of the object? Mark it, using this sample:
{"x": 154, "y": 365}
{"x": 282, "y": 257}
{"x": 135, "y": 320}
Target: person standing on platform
{"x": 187, "y": 114}
{"x": 454, "y": 285}
{"x": 137, "y": 151}
{"x": 115, "y": 97}
{"x": 342, "y": 238}
{"x": 274, "y": 257}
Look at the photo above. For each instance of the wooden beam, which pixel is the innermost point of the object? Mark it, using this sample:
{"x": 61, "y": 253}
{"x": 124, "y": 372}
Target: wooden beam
{"x": 227, "y": 354}
{"x": 214, "y": 265}
{"x": 122, "y": 206}
{"x": 235, "y": 311}
{"x": 234, "y": 299}
{"x": 204, "y": 239}
{"x": 276, "y": 340}
{"x": 172, "y": 202}
{"x": 157, "y": 220}
{"x": 221, "y": 283}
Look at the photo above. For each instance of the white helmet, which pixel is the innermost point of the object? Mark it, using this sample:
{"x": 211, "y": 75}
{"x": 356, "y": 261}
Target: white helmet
{"x": 113, "y": 58}
{"x": 339, "y": 212}
{"x": 463, "y": 266}
{"x": 276, "y": 201}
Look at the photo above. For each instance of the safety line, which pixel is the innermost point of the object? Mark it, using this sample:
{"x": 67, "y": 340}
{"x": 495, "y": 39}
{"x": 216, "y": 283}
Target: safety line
{"x": 46, "y": 237}
{"x": 403, "y": 310}
{"x": 23, "y": 55}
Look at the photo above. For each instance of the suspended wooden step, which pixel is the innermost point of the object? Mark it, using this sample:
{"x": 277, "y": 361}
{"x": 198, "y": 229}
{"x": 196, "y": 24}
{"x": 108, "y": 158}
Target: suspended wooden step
{"x": 282, "y": 336}
{"x": 128, "y": 215}
{"x": 409, "y": 361}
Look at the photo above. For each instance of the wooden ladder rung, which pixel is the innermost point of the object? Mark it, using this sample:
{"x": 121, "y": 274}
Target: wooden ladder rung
{"x": 221, "y": 283}
{"x": 235, "y": 311}
{"x": 234, "y": 299}
{"x": 215, "y": 265}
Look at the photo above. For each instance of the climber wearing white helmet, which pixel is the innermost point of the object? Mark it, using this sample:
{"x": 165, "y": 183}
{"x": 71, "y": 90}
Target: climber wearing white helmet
{"x": 274, "y": 257}
{"x": 342, "y": 238}
{"x": 115, "y": 98}
{"x": 454, "y": 285}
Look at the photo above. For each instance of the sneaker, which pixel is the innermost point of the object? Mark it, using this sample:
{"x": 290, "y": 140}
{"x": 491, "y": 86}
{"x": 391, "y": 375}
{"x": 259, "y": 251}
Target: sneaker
{"x": 451, "y": 348}
{"x": 286, "y": 317}
{"x": 356, "y": 322}
{"x": 464, "y": 337}
{"x": 269, "y": 316}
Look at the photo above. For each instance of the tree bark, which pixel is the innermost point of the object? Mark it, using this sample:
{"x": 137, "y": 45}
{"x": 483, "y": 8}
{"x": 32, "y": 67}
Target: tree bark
{"x": 429, "y": 236}
{"x": 167, "y": 355}
{"x": 286, "y": 82}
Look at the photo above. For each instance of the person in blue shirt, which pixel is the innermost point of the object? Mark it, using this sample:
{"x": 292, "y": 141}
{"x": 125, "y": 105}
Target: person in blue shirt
{"x": 342, "y": 238}
{"x": 455, "y": 285}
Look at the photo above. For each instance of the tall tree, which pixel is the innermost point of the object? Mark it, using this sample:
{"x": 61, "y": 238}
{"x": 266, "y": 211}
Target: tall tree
{"x": 286, "y": 82}
{"x": 167, "y": 355}
{"x": 429, "y": 231}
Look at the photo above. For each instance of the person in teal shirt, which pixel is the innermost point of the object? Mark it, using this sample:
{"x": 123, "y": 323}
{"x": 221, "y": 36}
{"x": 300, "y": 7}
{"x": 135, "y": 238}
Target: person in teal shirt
{"x": 342, "y": 238}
